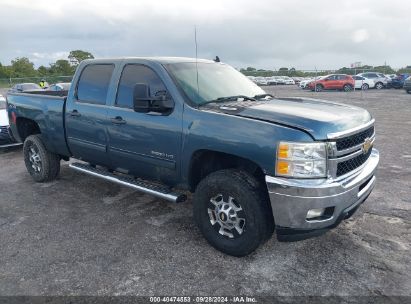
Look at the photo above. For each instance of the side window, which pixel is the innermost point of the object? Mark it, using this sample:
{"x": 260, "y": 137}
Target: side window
{"x": 133, "y": 74}
{"x": 93, "y": 83}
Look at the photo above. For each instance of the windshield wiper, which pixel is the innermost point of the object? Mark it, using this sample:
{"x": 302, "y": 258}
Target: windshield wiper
{"x": 229, "y": 98}
{"x": 260, "y": 96}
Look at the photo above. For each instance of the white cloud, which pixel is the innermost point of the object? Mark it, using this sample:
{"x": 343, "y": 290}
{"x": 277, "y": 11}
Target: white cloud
{"x": 360, "y": 35}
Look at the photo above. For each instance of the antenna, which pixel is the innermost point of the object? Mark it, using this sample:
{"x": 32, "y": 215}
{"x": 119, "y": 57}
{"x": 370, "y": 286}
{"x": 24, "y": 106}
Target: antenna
{"x": 195, "y": 41}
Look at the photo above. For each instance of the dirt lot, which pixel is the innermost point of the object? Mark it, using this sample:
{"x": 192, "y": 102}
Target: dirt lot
{"x": 83, "y": 236}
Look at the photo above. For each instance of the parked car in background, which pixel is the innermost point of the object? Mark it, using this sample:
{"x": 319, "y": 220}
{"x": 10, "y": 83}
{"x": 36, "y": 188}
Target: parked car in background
{"x": 288, "y": 80}
{"x": 407, "y": 85}
{"x": 62, "y": 86}
{"x": 262, "y": 81}
{"x": 380, "y": 80}
{"x": 333, "y": 82}
{"x": 363, "y": 83}
{"x": 272, "y": 80}
{"x": 398, "y": 82}
{"x": 304, "y": 82}
{"x": 6, "y": 138}
{"x": 22, "y": 87}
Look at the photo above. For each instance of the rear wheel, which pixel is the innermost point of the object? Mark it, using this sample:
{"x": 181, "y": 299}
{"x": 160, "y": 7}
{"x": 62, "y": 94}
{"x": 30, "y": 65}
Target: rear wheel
{"x": 232, "y": 211}
{"x": 347, "y": 87}
{"x": 42, "y": 165}
{"x": 365, "y": 87}
{"x": 379, "y": 85}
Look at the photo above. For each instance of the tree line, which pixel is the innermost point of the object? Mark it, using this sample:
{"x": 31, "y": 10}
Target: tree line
{"x": 23, "y": 67}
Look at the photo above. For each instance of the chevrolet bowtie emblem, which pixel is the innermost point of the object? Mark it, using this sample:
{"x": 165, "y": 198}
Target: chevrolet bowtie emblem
{"x": 366, "y": 146}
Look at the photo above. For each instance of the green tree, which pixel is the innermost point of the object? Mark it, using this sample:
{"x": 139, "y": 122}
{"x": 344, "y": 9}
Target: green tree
{"x": 250, "y": 69}
{"x": 22, "y": 67}
{"x": 61, "y": 67}
{"x": 42, "y": 70}
{"x": 386, "y": 69}
{"x": 77, "y": 56}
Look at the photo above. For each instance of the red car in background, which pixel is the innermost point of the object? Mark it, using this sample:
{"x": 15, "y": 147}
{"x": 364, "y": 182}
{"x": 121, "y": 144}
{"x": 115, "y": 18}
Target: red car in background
{"x": 333, "y": 82}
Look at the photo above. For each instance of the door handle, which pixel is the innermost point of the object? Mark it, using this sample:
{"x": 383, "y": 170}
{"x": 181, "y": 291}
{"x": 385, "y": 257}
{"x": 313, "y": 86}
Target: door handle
{"x": 118, "y": 120}
{"x": 75, "y": 113}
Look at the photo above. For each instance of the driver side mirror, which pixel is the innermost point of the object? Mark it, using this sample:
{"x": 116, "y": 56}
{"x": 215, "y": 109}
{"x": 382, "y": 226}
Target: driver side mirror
{"x": 144, "y": 103}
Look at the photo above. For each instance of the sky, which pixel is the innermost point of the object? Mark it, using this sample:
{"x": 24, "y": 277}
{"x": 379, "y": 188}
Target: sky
{"x": 264, "y": 34}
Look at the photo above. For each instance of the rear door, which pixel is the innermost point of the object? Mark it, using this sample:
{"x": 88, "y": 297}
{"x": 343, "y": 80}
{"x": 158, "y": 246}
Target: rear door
{"x": 144, "y": 144}
{"x": 86, "y": 115}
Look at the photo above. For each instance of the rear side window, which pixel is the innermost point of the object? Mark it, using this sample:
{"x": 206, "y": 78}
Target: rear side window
{"x": 133, "y": 74}
{"x": 93, "y": 84}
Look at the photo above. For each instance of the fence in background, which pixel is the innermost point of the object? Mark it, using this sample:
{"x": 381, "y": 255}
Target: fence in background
{"x": 9, "y": 82}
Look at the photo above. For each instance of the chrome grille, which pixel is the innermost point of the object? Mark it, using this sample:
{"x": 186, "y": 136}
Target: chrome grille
{"x": 345, "y": 149}
{"x": 355, "y": 139}
{"x": 352, "y": 164}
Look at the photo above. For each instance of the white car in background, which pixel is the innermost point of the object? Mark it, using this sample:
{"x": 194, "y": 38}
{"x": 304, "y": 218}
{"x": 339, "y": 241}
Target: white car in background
{"x": 261, "y": 81}
{"x": 380, "y": 80}
{"x": 288, "y": 80}
{"x": 6, "y": 139}
{"x": 363, "y": 83}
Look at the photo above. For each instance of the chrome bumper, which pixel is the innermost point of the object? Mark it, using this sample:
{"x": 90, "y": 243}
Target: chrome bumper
{"x": 291, "y": 199}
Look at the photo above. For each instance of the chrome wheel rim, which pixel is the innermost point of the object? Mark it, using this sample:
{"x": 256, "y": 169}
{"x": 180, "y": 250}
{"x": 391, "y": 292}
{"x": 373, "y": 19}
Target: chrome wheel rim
{"x": 35, "y": 159}
{"x": 227, "y": 216}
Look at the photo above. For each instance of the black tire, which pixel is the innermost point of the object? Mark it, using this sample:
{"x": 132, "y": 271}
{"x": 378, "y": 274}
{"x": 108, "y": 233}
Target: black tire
{"x": 409, "y": 91}
{"x": 379, "y": 85}
{"x": 319, "y": 88}
{"x": 48, "y": 164}
{"x": 347, "y": 88}
{"x": 248, "y": 194}
{"x": 365, "y": 87}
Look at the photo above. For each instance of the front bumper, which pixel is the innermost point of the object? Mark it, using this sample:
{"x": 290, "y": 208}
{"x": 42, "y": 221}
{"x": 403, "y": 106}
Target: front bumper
{"x": 291, "y": 199}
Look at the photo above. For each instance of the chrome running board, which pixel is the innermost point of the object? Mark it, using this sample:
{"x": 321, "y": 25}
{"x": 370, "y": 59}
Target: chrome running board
{"x": 159, "y": 191}
{"x": 10, "y": 145}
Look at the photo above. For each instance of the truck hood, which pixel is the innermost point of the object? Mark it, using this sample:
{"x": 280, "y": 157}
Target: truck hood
{"x": 317, "y": 117}
{"x": 4, "y": 120}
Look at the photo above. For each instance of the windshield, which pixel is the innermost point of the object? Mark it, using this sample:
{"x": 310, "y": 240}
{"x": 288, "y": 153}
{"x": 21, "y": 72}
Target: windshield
{"x": 215, "y": 80}
{"x": 2, "y": 103}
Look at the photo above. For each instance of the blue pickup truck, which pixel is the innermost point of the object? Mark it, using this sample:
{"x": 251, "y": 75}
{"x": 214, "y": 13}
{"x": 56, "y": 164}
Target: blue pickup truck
{"x": 166, "y": 126}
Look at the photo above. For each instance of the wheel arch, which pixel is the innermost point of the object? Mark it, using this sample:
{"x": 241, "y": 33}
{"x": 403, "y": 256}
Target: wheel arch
{"x": 26, "y": 127}
{"x": 205, "y": 161}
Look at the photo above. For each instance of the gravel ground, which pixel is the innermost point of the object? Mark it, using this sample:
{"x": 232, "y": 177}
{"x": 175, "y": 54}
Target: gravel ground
{"x": 83, "y": 236}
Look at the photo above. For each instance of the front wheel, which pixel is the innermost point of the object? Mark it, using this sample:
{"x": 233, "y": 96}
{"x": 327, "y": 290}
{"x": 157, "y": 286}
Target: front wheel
{"x": 42, "y": 165}
{"x": 319, "y": 88}
{"x": 409, "y": 91}
{"x": 365, "y": 87}
{"x": 232, "y": 211}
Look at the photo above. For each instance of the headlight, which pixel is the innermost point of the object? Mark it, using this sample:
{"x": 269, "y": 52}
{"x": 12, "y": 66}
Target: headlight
{"x": 304, "y": 160}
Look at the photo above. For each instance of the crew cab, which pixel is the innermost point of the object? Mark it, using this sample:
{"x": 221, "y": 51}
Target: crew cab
{"x": 255, "y": 163}
{"x": 332, "y": 82}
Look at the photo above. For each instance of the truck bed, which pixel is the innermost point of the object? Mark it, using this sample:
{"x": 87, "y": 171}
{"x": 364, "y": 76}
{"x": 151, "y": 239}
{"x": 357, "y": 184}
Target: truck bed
{"x": 47, "y": 111}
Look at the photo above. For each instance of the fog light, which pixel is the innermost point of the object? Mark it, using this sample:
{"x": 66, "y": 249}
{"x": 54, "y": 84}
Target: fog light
{"x": 315, "y": 213}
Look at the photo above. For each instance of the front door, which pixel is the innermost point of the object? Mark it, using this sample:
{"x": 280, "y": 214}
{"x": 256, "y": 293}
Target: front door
{"x": 86, "y": 115}
{"x": 143, "y": 144}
